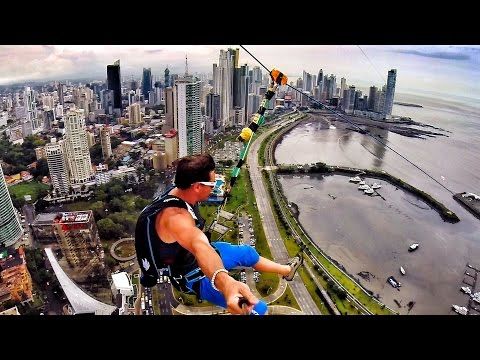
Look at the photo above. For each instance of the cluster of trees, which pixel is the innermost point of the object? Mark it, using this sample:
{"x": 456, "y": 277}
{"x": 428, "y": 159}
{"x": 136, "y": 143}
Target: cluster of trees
{"x": 97, "y": 156}
{"x": 17, "y": 157}
{"x": 115, "y": 211}
{"x": 332, "y": 287}
{"x": 36, "y": 267}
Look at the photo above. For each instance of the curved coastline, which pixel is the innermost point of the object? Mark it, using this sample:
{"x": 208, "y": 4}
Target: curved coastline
{"x": 445, "y": 213}
{"x": 359, "y": 288}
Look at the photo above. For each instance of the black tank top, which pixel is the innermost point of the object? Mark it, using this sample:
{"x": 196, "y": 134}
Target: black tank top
{"x": 152, "y": 253}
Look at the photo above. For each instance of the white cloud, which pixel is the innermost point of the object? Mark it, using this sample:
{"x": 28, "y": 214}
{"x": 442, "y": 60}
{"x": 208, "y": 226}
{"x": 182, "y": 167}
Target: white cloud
{"x": 443, "y": 68}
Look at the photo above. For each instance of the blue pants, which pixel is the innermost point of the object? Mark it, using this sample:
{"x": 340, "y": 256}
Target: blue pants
{"x": 232, "y": 256}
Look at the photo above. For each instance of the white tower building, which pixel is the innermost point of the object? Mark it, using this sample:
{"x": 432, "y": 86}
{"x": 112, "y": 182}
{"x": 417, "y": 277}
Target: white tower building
{"x": 188, "y": 117}
{"x": 57, "y": 166}
{"x": 76, "y": 146}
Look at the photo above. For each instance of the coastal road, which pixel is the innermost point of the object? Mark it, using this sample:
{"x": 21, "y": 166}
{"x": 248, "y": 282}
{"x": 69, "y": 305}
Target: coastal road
{"x": 272, "y": 234}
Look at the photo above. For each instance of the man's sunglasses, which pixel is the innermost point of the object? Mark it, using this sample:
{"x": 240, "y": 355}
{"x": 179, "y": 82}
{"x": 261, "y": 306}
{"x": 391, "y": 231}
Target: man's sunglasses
{"x": 208, "y": 183}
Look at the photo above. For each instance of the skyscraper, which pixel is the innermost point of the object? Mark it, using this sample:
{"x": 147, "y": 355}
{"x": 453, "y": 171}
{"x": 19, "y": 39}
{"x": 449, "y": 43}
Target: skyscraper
{"x": 392, "y": 78}
{"x": 169, "y": 109}
{"x": 31, "y": 108}
{"x": 77, "y": 235}
{"x": 48, "y": 119}
{"x": 60, "y": 94}
{"x": 105, "y": 142}
{"x": 343, "y": 85}
{"x": 10, "y": 228}
{"x": 78, "y": 155}
{"x": 224, "y": 86}
{"x": 371, "y": 98}
{"x": 235, "y": 53}
{"x": 188, "y": 117}
{"x": 213, "y": 109}
{"x": 134, "y": 115}
{"x": 146, "y": 82}
{"x": 253, "y": 104}
{"x": 113, "y": 80}
{"x": 57, "y": 167}
{"x": 167, "y": 78}
{"x": 307, "y": 81}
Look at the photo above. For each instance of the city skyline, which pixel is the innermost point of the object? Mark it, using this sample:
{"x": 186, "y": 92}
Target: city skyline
{"x": 445, "y": 69}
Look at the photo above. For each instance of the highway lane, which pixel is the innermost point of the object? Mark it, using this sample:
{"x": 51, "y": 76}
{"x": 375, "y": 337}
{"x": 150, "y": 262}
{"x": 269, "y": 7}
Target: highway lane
{"x": 272, "y": 234}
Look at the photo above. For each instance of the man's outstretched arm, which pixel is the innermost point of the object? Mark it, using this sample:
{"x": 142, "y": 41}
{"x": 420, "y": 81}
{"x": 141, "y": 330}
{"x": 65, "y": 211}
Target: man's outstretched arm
{"x": 182, "y": 228}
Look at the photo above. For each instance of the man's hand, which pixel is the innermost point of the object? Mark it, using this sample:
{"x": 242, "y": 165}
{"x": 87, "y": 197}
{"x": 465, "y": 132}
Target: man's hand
{"x": 234, "y": 290}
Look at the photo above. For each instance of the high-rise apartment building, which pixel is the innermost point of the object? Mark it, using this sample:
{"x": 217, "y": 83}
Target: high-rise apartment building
{"x": 188, "y": 117}
{"x": 167, "y": 78}
{"x": 105, "y": 142}
{"x": 10, "y": 228}
{"x": 30, "y": 105}
{"x": 78, "y": 238}
{"x": 390, "y": 93}
{"x": 15, "y": 280}
{"x": 90, "y": 138}
{"x": 76, "y": 146}
{"x": 60, "y": 94}
{"x": 343, "y": 85}
{"x": 48, "y": 118}
{"x": 213, "y": 109}
{"x": 57, "y": 167}
{"x": 371, "y": 98}
{"x": 253, "y": 104}
{"x": 169, "y": 108}
{"x": 134, "y": 115}
{"x": 224, "y": 86}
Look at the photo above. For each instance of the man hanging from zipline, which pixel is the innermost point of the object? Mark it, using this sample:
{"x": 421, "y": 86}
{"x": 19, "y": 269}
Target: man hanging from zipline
{"x": 169, "y": 235}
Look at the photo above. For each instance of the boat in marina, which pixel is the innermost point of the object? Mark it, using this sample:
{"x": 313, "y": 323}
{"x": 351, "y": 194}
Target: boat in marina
{"x": 413, "y": 247}
{"x": 462, "y": 310}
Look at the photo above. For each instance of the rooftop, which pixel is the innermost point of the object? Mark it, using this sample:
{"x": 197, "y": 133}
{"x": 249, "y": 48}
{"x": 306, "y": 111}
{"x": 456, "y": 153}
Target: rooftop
{"x": 121, "y": 281}
{"x": 45, "y": 218}
{"x": 73, "y": 217}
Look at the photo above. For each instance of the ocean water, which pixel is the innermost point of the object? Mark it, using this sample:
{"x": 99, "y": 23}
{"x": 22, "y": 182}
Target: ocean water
{"x": 371, "y": 234}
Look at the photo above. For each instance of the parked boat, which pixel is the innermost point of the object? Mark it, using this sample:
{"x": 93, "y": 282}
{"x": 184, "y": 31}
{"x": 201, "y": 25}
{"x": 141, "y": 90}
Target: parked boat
{"x": 402, "y": 270}
{"x": 462, "y": 310}
{"x": 394, "y": 282}
{"x": 466, "y": 290}
{"x": 363, "y": 187}
{"x": 355, "y": 179}
{"x": 368, "y": 191}
{"x": 413, "y": 247}
{"x": 376, "y": 186}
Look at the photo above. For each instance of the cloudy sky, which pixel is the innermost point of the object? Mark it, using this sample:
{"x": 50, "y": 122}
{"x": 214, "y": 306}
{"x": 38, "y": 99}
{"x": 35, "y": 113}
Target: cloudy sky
{"x": 440, "y": 68}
